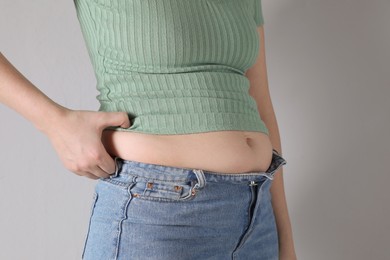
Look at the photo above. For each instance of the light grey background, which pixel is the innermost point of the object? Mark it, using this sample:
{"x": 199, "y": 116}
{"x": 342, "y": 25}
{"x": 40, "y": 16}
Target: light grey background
{"x": 328, "y": 68}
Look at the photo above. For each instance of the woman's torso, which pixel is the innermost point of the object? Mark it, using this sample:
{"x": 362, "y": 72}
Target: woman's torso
{"x": 219, "y": 151}
{"x": 178, "y": 69}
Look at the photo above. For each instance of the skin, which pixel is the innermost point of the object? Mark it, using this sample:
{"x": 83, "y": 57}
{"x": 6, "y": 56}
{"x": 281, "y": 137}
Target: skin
{"x": 76, "y": 134}
{"x": 259, "y": 90}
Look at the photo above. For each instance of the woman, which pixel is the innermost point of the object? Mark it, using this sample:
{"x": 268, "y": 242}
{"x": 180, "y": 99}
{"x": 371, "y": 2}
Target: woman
{"x": 185, "y": 144}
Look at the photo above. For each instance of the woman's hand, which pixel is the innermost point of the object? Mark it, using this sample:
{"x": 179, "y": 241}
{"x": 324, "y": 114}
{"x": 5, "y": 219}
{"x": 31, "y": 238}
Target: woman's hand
{"x": 76, "y": 137}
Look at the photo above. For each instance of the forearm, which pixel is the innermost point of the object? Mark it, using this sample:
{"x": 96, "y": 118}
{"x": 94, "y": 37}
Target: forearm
{"x": 19, "y": 94}
{"x": 278, "y": 194}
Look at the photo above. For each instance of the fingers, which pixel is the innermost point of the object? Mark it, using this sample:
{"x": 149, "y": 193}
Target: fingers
{"x": 126, "y": 121}
{"x": 89, "y": 175}
{"x": 104, "y": 160}
{"x": 103, "y": 167}
{"x": 99, "y": 165}
{"x": 97, "y": 171}
{"x": 107, "y": 164}
{"x": 115, "y": 119}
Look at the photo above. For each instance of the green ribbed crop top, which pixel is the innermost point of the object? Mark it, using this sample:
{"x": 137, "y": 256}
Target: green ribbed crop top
{"x": 175, "y": 66}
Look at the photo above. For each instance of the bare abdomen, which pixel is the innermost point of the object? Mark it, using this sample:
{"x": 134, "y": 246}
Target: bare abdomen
{"x": 220, "y": 151}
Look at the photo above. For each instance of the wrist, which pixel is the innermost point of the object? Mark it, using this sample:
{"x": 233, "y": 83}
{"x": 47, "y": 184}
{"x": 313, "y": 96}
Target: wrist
{"x": 51, "y": 118}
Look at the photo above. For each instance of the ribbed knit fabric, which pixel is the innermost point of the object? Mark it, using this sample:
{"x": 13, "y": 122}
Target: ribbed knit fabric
{"x": 175, "y": 66}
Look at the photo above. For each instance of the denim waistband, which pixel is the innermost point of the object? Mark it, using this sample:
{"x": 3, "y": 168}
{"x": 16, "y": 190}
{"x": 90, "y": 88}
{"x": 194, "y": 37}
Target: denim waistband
{"x": 172, "y": 173}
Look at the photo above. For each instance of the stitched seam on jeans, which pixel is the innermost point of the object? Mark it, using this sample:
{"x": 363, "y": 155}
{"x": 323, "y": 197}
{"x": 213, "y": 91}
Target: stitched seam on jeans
{"x": 119, "y": 233}
{"x": 124, "y": 184}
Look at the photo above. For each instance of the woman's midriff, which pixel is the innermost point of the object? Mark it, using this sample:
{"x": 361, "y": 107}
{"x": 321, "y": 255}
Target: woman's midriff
{"x": 220, "y": 151}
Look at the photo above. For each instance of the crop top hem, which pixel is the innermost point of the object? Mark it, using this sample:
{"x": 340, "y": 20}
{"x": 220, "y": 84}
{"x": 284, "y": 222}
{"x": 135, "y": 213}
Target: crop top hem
{"x": 174, "y": 124}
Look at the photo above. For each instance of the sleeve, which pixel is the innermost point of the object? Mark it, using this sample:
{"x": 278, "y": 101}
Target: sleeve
{"x": 258, "y": 13}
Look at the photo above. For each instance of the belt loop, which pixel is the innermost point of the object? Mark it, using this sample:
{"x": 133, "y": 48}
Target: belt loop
{"x": 201, "y": 178}
{"x": 118, "y": 166}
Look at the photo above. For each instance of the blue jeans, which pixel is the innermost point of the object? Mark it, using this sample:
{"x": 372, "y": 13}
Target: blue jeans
{"x": 148, "y": 211}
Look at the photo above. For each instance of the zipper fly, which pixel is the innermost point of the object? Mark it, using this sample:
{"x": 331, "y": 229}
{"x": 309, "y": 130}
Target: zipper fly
{"x": 253, "y": 186}
{"x": 251, "y": 209}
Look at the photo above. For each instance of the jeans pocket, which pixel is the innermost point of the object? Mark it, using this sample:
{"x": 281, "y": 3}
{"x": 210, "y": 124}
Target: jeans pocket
{"x": 163, "y": 190}
{"x": 91, "y": 211}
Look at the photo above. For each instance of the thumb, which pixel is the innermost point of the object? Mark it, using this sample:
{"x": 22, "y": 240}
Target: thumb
{"x": 116, "y": 119}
